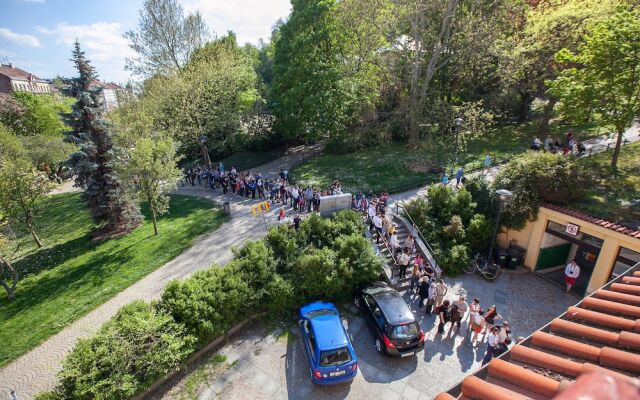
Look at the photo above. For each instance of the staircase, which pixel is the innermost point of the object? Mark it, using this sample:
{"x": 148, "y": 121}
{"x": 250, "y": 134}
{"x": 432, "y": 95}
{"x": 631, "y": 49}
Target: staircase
{"x": 392, "y": 271}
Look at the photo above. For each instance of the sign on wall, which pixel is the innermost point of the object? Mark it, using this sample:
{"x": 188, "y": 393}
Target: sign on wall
{"x": 572, "y": 229}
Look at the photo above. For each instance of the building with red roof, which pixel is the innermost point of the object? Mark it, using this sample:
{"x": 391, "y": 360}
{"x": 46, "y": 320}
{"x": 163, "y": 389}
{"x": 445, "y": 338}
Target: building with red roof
{"x": 13, "y": 79}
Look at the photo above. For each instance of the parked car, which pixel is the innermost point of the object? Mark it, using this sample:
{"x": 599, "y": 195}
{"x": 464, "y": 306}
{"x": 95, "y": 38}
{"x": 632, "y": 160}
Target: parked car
{"x": 393, "y": 324}
{"x": 331, "y": 356}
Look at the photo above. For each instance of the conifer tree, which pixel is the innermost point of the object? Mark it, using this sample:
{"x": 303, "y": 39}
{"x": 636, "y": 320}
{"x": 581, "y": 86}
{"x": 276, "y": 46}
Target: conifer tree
{"x": 93, "y": 164}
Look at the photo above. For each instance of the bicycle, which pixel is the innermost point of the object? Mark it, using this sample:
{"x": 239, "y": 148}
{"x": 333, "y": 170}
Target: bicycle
{"x": 488, "y": 269}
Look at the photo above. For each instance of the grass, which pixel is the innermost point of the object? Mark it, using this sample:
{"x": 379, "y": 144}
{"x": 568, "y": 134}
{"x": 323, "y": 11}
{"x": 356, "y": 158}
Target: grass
{"x": 394, "y": 167}
{"x": 243, "y": 161}
{"x": 612, "y": 196}
{"x": 193, "y": 383}
{"x": 71, "y": 276}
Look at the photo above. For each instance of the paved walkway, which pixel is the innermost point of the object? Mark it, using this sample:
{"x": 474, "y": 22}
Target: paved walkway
{"x": 36, "y": 371}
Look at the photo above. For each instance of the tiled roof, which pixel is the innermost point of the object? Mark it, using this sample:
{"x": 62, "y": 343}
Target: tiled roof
{"x": 17, "y": 73}
{"x": 599, "y": 334}
{"x": 594, "y": 220}
{"x": 105, "y": 85}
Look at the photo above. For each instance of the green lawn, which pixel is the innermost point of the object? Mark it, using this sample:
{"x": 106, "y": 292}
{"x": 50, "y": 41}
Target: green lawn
{"x": 394, "y": 167}
{"x": 612, "y": 196}
{"x": 242, "y": 161}
{"x": 71, "y": 276}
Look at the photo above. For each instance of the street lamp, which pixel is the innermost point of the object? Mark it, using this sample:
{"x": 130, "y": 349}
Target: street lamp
{"x": 458, "y": 124}
{"x": 503, "y": 196}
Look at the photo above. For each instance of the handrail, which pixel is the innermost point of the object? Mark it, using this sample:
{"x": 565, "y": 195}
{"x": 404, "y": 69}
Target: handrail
{"x": 386, "y": 245}
{"x": 415, "y": 227}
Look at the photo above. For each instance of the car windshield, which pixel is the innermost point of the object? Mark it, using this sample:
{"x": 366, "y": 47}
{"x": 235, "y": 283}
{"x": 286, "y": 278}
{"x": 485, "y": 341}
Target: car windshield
{"x": 317, "y": 313}
{"x": 407, "y": 331}
{"x": 331, "y": 358}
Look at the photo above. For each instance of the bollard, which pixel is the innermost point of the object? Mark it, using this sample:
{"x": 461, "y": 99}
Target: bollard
{"x": 227, "y": 208}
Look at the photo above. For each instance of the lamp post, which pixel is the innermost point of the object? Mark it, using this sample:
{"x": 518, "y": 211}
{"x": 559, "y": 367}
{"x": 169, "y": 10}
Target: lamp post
{"x": 458, "y": 124}
{"x": 503, "y": 196}
{"x": 205, "y": 152}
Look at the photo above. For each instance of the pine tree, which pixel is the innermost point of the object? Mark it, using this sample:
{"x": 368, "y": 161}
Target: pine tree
{"x": 93, "y": 164}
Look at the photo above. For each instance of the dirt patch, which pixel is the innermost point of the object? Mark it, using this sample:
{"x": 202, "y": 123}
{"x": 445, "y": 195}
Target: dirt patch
{"x": 424, "y": 166}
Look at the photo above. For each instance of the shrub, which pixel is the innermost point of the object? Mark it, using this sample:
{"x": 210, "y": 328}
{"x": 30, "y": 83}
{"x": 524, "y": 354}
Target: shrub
{"x": 360, "y": 264}
{"x": 539, "y": 177}
{"x": 315, "y": 274}
{"x": 255, "y": 264}
{"x": 479, "y": 232}
{"x": 283, "y": 241}
{"x": 455, "y": 259}
{"x": 137, "y": 346}
{"x": 209, "y": 302}
{"x": 281, "y": 297}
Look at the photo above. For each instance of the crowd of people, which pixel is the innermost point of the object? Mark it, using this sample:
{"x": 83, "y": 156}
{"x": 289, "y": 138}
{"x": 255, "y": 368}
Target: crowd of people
{"x": 553, "y": 145}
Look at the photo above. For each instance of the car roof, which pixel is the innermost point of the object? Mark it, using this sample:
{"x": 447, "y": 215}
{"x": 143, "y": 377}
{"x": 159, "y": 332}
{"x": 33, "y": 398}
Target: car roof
{"x": 327, "y": 327}
{"x": 395, "y": 310}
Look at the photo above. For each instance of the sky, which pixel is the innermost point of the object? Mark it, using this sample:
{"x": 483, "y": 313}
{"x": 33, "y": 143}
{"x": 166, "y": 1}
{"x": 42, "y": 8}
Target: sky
{"x": 37, "y": 35}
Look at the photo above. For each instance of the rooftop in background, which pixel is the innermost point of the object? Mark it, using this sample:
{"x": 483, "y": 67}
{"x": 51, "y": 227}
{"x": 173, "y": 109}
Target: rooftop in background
{"x": 595, "y": 220}
{"x": 105, "y": 85}
{"x": 13, "y": 72}
{"x": 599, "y": 334}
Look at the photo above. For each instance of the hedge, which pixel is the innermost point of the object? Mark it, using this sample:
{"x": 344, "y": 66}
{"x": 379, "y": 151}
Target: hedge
{"x": 324, "y": 259}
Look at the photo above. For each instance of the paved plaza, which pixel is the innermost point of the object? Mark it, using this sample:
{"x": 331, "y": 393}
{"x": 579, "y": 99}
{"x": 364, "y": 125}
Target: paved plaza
{"x": 268, "y": 366}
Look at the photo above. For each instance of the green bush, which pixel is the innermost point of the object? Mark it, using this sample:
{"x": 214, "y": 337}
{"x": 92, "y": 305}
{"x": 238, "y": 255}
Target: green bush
{"x": 281, "y": 297}
{"x": 137, "y": 346}
{"x": 209, "y": 302}
{"x": 538, "y": 177}
{"x": 479, "y": 232}
{"x": 455, "y": 259}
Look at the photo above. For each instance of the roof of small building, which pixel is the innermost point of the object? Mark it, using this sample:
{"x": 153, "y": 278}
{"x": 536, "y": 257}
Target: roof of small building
{"x": 16, "y": 73}
{"x": 599, "y": 334}
{"x": 595, "y": 220}
{"x": 105, "y": 85}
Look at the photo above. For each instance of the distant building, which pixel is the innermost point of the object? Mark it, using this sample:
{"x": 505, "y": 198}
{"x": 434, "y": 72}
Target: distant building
{"x": 14, "y": 79}
{"x": 109, "y": 93}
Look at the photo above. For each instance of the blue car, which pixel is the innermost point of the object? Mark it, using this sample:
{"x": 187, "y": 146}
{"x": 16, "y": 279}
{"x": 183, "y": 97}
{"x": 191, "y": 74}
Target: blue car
{"x": 331, "y": 356}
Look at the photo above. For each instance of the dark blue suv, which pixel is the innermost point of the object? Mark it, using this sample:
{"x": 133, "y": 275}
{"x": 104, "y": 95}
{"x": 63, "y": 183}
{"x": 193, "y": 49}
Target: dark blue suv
{"x": 331, "y": 356}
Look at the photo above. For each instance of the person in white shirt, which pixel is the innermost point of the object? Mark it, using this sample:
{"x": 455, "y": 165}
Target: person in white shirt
{"x": 377, "y": 223}
{"x": 393, "y": 242}
{"x": 371, "y": 211}
{"x": 403, "y": 260}
{"x": 571, "y": 273}
{"x": 492, "y": 343}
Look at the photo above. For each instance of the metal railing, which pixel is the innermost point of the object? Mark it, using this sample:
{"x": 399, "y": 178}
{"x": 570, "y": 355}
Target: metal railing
{"x": 416, "y": 229}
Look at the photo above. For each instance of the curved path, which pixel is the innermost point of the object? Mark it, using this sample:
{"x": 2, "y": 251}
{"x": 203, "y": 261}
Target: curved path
{"x": 36, "y": 370}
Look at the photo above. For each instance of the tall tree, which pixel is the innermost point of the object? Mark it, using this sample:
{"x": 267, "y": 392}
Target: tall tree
{"x": 21, "y": 188}
{"x": 165, "y": 38}
{"x": 9, "y": 275}
{"x": 320, "y": 85}
{"x": 150, "y": 169}
{"x": 93, "y": 164}
{"x": 604, "y": 75}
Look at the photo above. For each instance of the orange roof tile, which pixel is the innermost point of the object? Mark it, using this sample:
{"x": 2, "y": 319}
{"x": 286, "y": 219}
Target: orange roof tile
{"x": 600, "y": 334}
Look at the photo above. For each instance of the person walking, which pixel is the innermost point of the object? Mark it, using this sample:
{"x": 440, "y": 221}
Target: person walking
{"x": 492, "y": 344}
{"x": 404, "y": 260}
{"x": 409, "y": 244}
{"x": 415, "y": 277}
{"x": 423, "y": 291}
{"x": 571, "y": 274}
{"x": 393, "y": 243}
{"x": 441, "y": 291}
{"x": 474, "y": 308}
{"x": 455, "y": 318}
{"x": 462, "y": 307}
{"x": 377, "y": 223}
{"x": 486, "y": 164}
{"x": 490, "y": 318}
{"x": 431, "y": 300}
{"x": 477, "y": 325}
{"x": 459, "y": 175}
{"x": 444, "y": 315}
{"x": 445, "y": 179}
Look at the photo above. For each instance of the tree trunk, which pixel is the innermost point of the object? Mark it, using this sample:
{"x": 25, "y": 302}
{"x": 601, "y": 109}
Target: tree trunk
{"x": 413, "y": 123}
{"x": 33, "y": 233}
{"x": 153, "y": 216}
{"x": 616, "y": 151}
{"x": 11, "y": 290}
{"x": 525, "y": 102}
{"x": 205, "y": 155}
{"x": 547, "y": 112}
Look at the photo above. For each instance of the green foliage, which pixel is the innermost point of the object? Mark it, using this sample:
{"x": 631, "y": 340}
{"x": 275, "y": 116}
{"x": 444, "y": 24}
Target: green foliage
{"x": 10, "y": 146}
{"x": 94, "y": 162}
{"x": 150, "y": 171}
{"x": 72, "y": 275}
{"x": 538, "y": 177}
{"x": 38, "y": 115}
{"x": 320, "y": 86}
{"x": 137, "y": 346}
{"x": 448, "y": 218}
{"x": 602, "y": 77}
